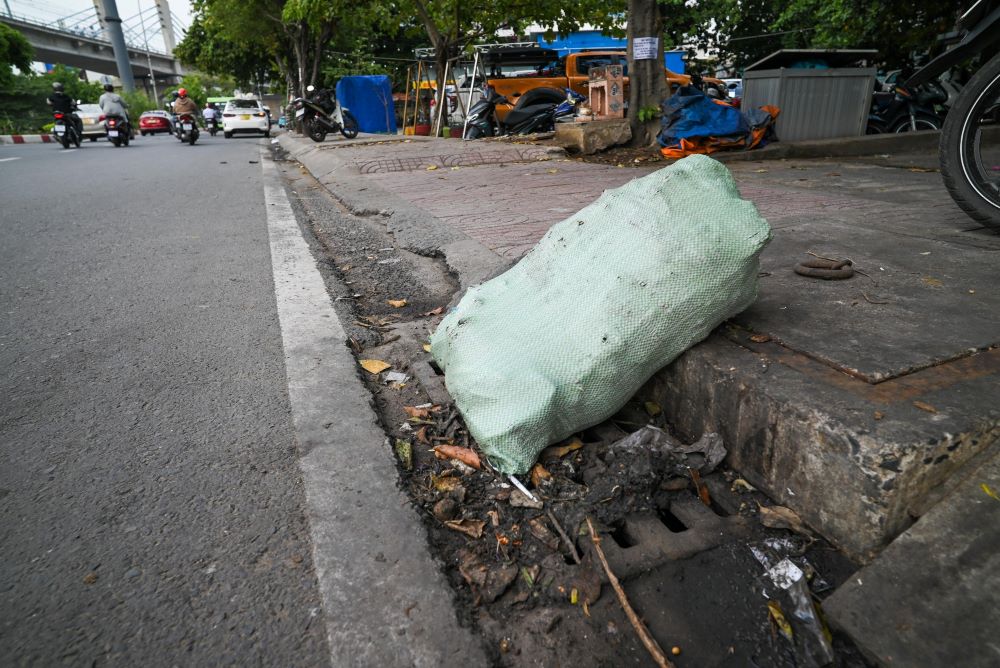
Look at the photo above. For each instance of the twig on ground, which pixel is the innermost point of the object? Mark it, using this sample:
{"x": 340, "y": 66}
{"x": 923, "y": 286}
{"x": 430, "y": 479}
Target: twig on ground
{"x": 640, "y": 628}
{"x": 831, "y": 259}
{"x": 562, "y": 534}
{"x": 870, "y": 300}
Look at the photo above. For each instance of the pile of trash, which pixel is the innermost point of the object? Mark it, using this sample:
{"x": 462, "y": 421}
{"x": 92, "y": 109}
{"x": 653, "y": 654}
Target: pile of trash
{"x": 694, "y": 123}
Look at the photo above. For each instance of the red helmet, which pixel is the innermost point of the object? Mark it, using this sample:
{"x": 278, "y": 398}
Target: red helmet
{"x": 182, "y": 92}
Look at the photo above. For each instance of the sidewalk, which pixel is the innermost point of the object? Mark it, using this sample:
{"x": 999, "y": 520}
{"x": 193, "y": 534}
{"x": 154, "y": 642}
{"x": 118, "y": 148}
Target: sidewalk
{"x": 862, "y": 402}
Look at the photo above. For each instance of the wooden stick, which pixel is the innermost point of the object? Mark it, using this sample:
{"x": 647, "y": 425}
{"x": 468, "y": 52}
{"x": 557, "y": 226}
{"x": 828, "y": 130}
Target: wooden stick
{"x": 640, "y": 628}
{"x": 562, "y": 534}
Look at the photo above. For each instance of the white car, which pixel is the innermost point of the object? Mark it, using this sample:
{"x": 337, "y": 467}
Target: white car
{"x": 245, "y": 116}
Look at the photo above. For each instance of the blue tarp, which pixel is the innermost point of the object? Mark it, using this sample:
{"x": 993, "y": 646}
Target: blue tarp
{"x": 370, "y": 100}
{"x": 690, "y": 113}
{"x": 594, "y": 39}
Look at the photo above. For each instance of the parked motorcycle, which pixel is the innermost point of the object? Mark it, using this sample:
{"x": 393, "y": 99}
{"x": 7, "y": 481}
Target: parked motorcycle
{"x": 905, "y": 109}
{"x": 187, "y": 128}
{"x": 118, "y": 130}
{"x": 531, "y": 113}
{"x": 970, "y": 141}
{"x": 65, "y": 130}
{"x": 320, "y": 113}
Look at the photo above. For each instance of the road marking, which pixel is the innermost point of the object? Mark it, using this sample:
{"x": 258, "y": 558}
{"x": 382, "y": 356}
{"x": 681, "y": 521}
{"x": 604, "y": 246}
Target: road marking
{"x": 9, "y": 159}
{"x": 386, "y": 601}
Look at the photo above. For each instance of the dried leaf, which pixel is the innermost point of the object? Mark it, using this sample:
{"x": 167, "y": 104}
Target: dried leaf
{"x": 467, "y": 456}
{"x": 405, "y": 453}
{"x": 471, "y": 528}
{"x": 427, "y": 347}
{"x": 445, "y": 483}
{"x": 778, "y": 618}
{"x": 551, "y": 171}
{"x": 421, "y": 411}
{"x": 740, "y": 485}
{"x": 925, "y": 407}
{"x": 396, "y": 303}
{"x": 760, "y": 338}
{"x": 931, "y": 281}
{"x": 560, "y": 451}
{"x": 653, "y": 408}
{"x": 703, "y": 494}
{"x": 989, "y": 491}
{"x": 431, "y": 168}
{"x": 878, "y": 415}
{"x": 779, "y": 517}
{"x": 494, "y": 518}
{"x": 438, "y": 311}
{"x": 374, "y": 366}
{"x": 538, "y": 474}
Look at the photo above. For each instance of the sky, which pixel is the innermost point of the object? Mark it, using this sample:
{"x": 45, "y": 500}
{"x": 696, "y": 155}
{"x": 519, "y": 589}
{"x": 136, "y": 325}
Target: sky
{"x": 50, "y": 10}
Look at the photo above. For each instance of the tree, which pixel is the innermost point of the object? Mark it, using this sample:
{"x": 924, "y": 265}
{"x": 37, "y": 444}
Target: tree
{"x": 647, "y": 80}
{"x": 15, "y": 51}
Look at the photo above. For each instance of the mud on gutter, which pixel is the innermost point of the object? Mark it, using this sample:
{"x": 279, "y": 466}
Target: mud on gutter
{"x": 527, "y": 578}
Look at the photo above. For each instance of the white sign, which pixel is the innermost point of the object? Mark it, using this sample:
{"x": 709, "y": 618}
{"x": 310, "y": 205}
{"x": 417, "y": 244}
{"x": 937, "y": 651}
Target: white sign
{"x": 645, "y": 48}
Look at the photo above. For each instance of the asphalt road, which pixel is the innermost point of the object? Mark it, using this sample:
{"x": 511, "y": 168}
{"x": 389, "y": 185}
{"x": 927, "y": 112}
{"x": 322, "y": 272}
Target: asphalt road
{"x": 151, "y": 504}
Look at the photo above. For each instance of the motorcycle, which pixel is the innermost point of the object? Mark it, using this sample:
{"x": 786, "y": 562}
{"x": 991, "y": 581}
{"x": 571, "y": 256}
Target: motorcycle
{"x": 65, "y": 129}
{"x": 213, "y": 126}
{"x": 970, "y": 141}
{"x": 118, "y": 130}
{"x": 904, "y": 109}
{"x": 187, "y": 128}
{"x": 531, "y": 113}
{"x": 321, "y": 113}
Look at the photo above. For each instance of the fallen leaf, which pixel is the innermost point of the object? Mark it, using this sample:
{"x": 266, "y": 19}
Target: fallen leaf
{"x": 405, "y": 453}
{"x": 703, "y": 494}
{"x": 760, "y": 338}
{"x": 421, "y": 435}
{"x": 560, "y": 451}
{"x": 431, "y": 168}
{"x": 552, "y": 171}
{"x": 931, "y": 281}
{"x": 740, "y": 485}
{"x": 653, "y": 408}
{"x": 487, "y": 583}
{"x": 90, "y": 578}
{"x": 989, "y": 492}
{"x": 778, "y": 618}
{"x": 878, "y": 415}
{"x": 438, "y": 311}
{"x": 445, "y": 483}
{"x": 538, "y": 474}
{"x": 467, "y": 456}
{"x": 421, "y": 411}
{"x": 541, "y": 532}
{"x": 925, "y": 407}
{"x": 346, "y": 268}
{"x": 471, "y": 528}
{"x": 374, "y": 366}
{"x": 779, "y": 517}
{"x": 427, "y": 347}
{"x": 494, "y": 518}
{"x": 396, "y": 303}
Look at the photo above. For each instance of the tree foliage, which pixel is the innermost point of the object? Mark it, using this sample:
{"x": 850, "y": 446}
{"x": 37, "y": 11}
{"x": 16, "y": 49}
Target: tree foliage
{"x": 15, "y": 51}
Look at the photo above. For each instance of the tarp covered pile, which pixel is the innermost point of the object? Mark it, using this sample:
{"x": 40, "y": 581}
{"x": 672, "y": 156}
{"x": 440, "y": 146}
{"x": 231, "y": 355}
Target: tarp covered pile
{"x": 693, "y": 123}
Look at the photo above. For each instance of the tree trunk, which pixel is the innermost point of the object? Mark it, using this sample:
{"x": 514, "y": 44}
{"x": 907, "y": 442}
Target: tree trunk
{"x": 647, "y": 79}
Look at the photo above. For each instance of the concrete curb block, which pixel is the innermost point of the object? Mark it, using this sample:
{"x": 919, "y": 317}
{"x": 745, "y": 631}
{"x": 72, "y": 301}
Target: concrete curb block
{"x": 26, "y": 139}
{"x": 844, "y": 147}
{"x": 413, "y": 228}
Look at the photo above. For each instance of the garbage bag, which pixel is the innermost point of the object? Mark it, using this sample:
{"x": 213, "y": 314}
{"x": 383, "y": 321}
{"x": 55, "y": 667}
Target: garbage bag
{"x": 606, "y": 298}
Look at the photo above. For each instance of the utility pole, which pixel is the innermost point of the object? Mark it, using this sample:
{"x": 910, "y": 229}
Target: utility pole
{"x": 114, "y": 29}
{"x": 149, "y": 59}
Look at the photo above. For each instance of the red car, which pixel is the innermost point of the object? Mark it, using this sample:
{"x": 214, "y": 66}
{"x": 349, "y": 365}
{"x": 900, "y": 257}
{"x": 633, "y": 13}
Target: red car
{"x": 151, "y": 122}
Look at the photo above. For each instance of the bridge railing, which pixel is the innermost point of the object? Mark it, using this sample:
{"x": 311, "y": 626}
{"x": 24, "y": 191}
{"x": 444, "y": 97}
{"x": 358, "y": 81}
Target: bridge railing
{"x": 75, "y": 31}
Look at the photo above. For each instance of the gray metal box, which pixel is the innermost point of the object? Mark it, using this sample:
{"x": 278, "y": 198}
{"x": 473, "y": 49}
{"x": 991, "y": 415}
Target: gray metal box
{"x": 814, "y": 103}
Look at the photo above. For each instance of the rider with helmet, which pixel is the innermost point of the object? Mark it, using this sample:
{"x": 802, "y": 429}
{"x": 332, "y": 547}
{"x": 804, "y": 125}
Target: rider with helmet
{"x": 183, "y": 105}
{"x": 112, "y": 104}
{"x": 60, "y": 101}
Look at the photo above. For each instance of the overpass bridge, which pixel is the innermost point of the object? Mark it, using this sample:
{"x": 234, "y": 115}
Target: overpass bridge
{"x": 80, "y": 40}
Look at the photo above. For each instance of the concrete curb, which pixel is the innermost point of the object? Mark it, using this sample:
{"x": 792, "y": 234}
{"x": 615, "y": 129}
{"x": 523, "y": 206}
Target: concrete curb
{"x": 26, "y": 139}
{"x": 842, "y": 147}
{"x": 413, "y": 228}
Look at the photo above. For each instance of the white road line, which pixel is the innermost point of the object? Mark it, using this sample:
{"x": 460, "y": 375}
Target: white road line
{"x": 385, "y": 599}
{"x": 9, "y": 159}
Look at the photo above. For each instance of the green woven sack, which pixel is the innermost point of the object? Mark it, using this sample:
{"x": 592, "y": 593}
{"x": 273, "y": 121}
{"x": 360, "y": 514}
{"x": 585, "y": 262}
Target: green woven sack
{"x": 608, "y": 297}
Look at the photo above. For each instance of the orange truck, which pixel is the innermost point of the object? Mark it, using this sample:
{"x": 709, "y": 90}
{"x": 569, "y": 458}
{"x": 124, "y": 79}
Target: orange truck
{"x": 551, "y": 74}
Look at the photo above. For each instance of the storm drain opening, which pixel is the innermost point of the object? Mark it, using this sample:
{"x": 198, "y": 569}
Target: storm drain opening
{"x": 621, "y": 535}
{"x": 671, "y": 521}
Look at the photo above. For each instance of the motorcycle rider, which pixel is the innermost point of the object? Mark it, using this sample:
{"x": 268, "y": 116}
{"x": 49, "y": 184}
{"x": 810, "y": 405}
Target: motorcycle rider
{"x": 112, "y": 104}
{"x": 60, "y": 101}
{"x": 184, "y": 105}
{"x": 211, "y": 114}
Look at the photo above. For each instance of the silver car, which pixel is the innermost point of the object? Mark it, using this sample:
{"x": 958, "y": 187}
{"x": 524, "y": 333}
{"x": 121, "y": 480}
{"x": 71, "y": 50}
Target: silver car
{"x": 93, "y": 121}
